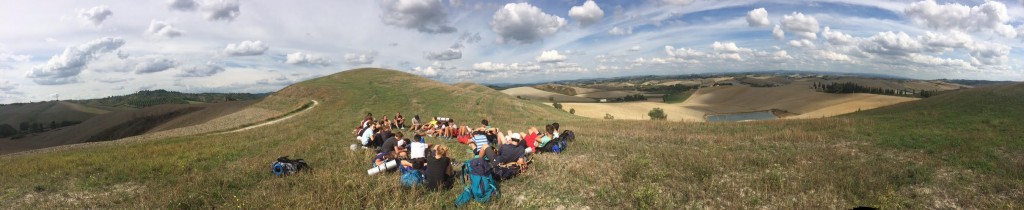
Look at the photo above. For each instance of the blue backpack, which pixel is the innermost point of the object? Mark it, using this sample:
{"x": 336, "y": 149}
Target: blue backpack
{"x": 481, "y": 185}
{"x": 412, "y": 177}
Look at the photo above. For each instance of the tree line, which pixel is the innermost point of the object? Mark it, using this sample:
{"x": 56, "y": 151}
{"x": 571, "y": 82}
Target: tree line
{"x": 32, "y": 127}
{"x": 851, "y": 87}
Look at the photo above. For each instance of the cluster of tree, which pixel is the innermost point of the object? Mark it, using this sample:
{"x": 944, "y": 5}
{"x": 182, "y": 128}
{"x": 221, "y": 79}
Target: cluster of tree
{"x": 657, "y": 114}
{"x": 628, "y": 98}
{"x": 147, "y": 98}
{"x": 850, "y": 87}
{"x": 33, "y": 127}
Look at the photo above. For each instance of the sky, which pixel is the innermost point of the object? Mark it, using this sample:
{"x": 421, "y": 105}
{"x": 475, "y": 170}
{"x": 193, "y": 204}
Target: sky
{"x": 79, "y": 49}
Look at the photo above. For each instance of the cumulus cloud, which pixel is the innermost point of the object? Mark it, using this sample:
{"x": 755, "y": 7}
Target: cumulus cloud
{"x": 95, "y": 15}
{"x": 8, "y": 56}
{"x": 984, "y": 53}
{"x": 428, "y": 16}
{"x": 941, "y": 42}
{"x": 728, "y": 47}
{"x": 444, "y": 55}
{"x": 889, "y": 43}
{"x": 684, "y": 53}
{"x": 801, "y": 43}
{"x": 620, "y": 31}
{"x": 936, "y": 61}
{"x": 832, "y": 56}
{"x": 587, "y": 14}
{"x": 153, "y": 65}
{"x": 802, "y": 25}
{"x": 226, "y": 10}
{"x": 551, "y": 56}
{"x": 204, "y": 70}
{"x": 954, "y": 16}
{"x": 428, "y": 71}
{"x": 360, "y": 58}
{"x": 524, "y": 23}
{"x": 491, "y": 66}
{"x": 64, "y": 68}
{"x": 758, "y": 17}
{"x": 837, "y": 38}
{"x": 778, "y": 33}
{"x": 299, "y": 58}
{"x": 182, "y": 5}
{"x": 162, "y": 30}
{"x": 634, "y": 48}
{"x": 7, "y": 86}
{"x": 246, "y": 48}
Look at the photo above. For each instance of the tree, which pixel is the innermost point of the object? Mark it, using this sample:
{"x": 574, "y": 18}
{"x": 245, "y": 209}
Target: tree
{"x": 7, "y": 130}
{"x": 24, "y": 126}
{"x": 608, "y": 116}
{"x": 53, "y": 125}
{"x": 551, "y": 98}
{"x": 657, "y": 114}
{"x": 572, "y": 111}
{"x": 557, "y": 106}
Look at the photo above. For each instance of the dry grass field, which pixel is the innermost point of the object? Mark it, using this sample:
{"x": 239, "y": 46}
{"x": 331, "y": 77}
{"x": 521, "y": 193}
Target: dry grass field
{"x": 956, "y": 150}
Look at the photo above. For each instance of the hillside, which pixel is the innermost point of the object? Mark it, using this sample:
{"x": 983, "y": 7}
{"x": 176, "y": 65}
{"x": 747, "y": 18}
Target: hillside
{"x": 532, "y": 93}
{"x": 830, "y": 163}
{"x": 147, "y": 98}
{"x": 46, "y": 112}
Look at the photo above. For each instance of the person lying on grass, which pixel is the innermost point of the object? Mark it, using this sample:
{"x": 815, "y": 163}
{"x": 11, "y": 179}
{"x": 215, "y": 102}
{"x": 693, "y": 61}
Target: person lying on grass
{"x": 439, "y": 169}
{"x": 547, "y": 138}
{"x": 511, "y": 151}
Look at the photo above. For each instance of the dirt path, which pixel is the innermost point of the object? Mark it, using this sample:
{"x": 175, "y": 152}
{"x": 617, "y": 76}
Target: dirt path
{"x": 275, "y": 121}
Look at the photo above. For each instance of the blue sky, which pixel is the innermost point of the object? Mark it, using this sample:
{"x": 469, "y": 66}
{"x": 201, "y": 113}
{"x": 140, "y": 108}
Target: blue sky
{"x": 88, "y": 49}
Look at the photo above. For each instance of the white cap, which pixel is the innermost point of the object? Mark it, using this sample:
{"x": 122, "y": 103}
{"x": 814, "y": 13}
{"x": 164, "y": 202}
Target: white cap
{"x": 516, "y": 136}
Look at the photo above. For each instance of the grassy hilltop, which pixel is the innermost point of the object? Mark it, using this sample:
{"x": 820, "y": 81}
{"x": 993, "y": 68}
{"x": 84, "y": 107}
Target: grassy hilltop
{"x": 957, "y": 150}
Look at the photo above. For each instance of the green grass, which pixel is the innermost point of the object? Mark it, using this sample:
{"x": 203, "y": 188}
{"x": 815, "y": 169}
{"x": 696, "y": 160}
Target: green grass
{"x": 899, "y": 157}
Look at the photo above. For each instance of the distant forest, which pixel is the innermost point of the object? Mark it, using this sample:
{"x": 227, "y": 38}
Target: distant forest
{"x": 147, "y": 98}
{"x": 850, "y": 87}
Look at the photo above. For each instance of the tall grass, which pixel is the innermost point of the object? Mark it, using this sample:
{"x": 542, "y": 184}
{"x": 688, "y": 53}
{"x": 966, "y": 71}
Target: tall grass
{"x": 800, "y": 164}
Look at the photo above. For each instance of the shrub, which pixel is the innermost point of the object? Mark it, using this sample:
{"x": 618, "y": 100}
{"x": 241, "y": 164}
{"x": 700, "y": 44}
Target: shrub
{"x": 572, "y": 111}
{"x": 657, "y": 114}
{"x": 557, "y": 105}
{"x": 608, "y": 116}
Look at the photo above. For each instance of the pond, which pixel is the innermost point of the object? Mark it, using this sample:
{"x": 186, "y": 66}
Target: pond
{"x": 744, "y": 116}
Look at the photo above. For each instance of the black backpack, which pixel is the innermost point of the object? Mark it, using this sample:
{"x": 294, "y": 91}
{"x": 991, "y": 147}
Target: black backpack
{"x": 285, "y": 166}
{"x": 567, "y": 136}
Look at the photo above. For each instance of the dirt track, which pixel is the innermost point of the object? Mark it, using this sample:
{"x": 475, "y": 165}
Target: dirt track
{"x": 315, "y": 103}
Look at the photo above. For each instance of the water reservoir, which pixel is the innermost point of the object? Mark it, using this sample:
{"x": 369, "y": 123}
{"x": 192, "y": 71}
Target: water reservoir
{"x": 744, "y": 116}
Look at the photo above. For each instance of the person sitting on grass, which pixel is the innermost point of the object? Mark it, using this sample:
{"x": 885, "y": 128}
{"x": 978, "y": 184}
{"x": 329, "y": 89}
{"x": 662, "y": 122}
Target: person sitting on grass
{"x": 392, "y": 143}
{"x": 416, "y": 123}
{"x": 555, "y": 134}
{"x": 367, "y": 136}
{"x": 547, "y": 138}
{"x": 399, "y": 120}
{"x": 439, "y": 169}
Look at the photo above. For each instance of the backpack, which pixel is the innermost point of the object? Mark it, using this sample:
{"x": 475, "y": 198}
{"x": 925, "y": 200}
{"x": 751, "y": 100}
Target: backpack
{"x": 567, "y": 135}
{"x": 481, "y": 185}
{"x": 284, "y": 166}
{"x": 507, "y": 171}
{"x": 412, "y": 178}
{"x": 560, "y": 146}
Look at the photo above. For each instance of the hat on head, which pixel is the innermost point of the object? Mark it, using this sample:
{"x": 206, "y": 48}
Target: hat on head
{"x": 516, "y": 136}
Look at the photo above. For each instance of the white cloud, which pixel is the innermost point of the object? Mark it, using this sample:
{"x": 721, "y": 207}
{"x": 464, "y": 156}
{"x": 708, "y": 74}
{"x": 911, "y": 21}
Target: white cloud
{"x": 444, "y": 55}
{"x": 801, "y": 43}
{"x": 246, "y": 48}
{"x": 551, "y": 56}
{"x": 802, "y": 25}
{"x": 152, "y": 65}
{"x": 758, "y": 17}
{"x": 620, "y": 31}
{"x": 778, "y": 33}
{"x": 428, "y": 71}
{"x": 162, "y": 30}
{"x": 954, "y": 16}
{"x": 939, "y": 42}
{"x": 204, "y": 70}
{"x": 299, "y": 58}
{"x": 64, "y": 68}
{"x": 683, "y": 53}
{"x": 95, "y": 15}
{"x": 587, "y": 14}
{"x": 781, "y": 55}
{"x": 728, "y": 47}
{"x": 182, "y": 5}
{"x": 832, "y": 56}
{"x": 428, "y": 16}
{"x": 634, "y": 48}
{"x": 936, "y": 61}
{"x": 8, "y": 56}
{"x": 226, "y": 10}
{"x": 524, "y": 23}
{"x": 491, "y": 66}
{"x": 7, "y": 86}
{"x": 837, "y": 38}
{"x": 360, "y": 58}
{"x": 985, "y": 53}
{"x": 889, "y": 43}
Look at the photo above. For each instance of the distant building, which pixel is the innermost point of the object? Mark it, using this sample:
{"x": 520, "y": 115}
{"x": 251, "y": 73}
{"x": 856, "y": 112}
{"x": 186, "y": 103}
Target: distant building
{"x": 604, "y": 100}
{"x": 722, "y": 84}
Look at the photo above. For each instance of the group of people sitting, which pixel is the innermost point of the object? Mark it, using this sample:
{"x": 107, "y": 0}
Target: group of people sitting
{"x": 507, "y": 152}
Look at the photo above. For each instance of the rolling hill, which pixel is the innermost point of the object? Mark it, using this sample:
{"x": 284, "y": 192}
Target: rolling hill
{"x": 829, "y": 163}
